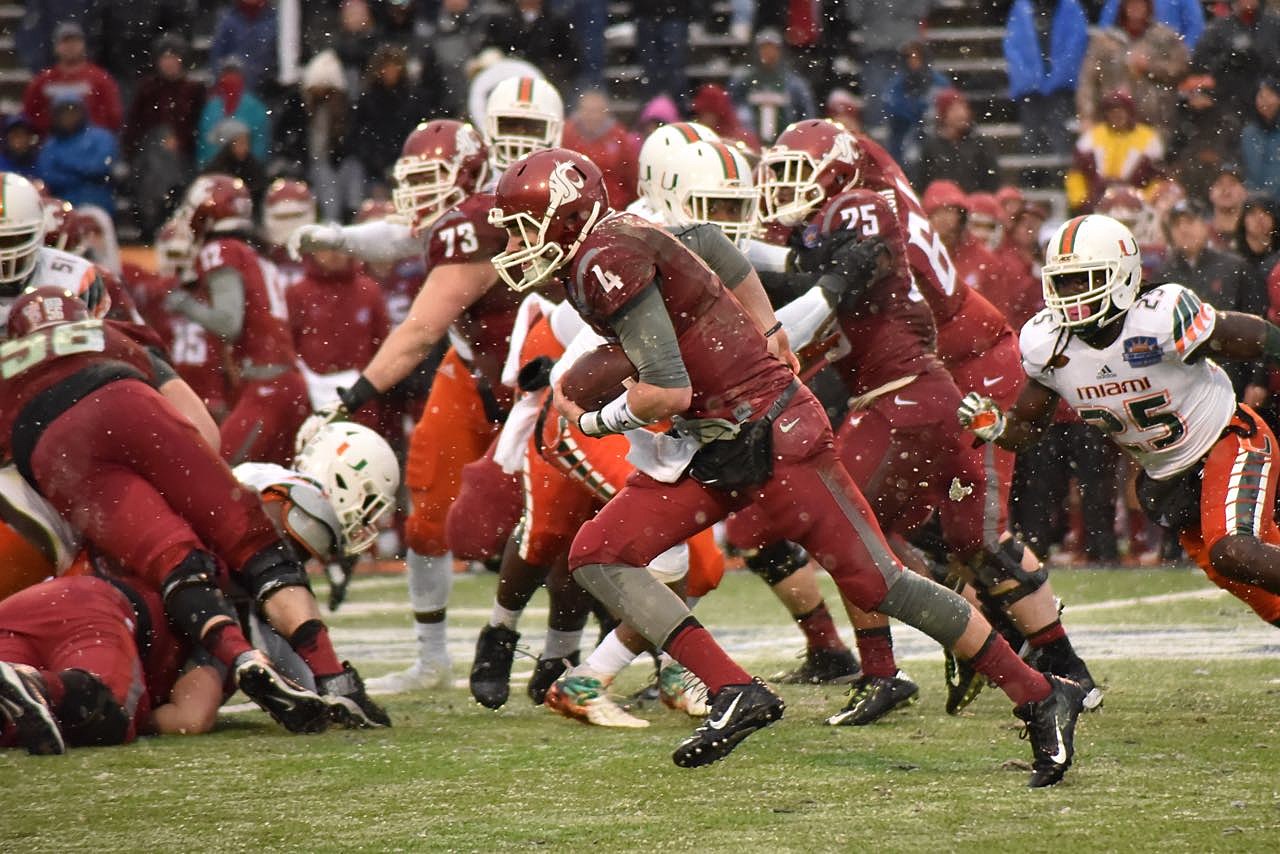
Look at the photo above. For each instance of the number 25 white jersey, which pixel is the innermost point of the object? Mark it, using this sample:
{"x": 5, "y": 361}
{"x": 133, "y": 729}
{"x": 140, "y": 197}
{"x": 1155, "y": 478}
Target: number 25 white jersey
{"x": 1145, "y": 390}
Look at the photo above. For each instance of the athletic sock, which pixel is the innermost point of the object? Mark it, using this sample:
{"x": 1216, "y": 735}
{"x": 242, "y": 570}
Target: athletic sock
{"x": 430, "y": 580}
{"x": 610, "y": 658}
{"x": 561, "y": 644}
{"x": 819, "y": 629}
{"x": 505, "y": 617}
{"x": 311, "y": 642}
{"x": 1050, "y": 634}
{"x": 998, "y": 662}
{"x": 695, "y": 648}
{"x": 226, "y": 643}
{"x": 432, "y": 642}
{"x": 875, "y": 649}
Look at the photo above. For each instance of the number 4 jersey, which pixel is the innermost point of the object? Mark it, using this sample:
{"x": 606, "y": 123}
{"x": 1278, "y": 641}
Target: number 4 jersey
{"x": 1151, "y": 390}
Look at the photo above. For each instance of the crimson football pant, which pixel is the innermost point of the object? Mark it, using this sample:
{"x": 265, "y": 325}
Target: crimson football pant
{"x": 263, "y": 423}
{"x": 76, "y": 623}
{"x": 134, "y": 476}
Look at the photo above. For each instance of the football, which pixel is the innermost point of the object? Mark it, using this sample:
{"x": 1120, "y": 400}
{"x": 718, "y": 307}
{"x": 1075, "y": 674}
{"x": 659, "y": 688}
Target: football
{"x": 597, "y": 376}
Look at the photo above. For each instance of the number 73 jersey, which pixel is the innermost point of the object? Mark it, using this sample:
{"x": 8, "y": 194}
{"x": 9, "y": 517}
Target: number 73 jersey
{"x": 1151, "y": 390}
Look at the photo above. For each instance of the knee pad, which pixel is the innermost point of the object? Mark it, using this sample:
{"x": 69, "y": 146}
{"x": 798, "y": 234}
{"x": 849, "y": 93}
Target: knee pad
{"x": 938, "y": 612}
{"x": 776, "y": 562}
{"x": 191, "y": 596}
{"x": 88, "y": 714}
{"x": 1001, "y": 576}
{"x": 271, "y": 570}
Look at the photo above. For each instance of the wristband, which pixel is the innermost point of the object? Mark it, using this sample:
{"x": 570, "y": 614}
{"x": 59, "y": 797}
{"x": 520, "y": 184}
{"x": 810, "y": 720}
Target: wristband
{"x": 614, "y": 417}
{"x": 589, "y": 424}
{"x": 360, "y": 393}
{"x": 773, "y": 330}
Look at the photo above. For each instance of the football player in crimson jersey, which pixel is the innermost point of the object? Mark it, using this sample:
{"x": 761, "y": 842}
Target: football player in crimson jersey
{"x": 439, "y": 176}
{"x": 238, "y": 297}
{"x": 1138, "y": 362}
{"x": 85, "y": 426}
{"x": 751, "y": 433}
{"x": 809, "y": 165}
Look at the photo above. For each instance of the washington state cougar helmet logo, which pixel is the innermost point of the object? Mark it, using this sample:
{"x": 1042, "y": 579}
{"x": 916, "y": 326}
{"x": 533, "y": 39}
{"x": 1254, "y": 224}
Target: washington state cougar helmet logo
{"x": 844, "y": 148}
{"x": 466, "y": 141}
{"x": 564, "y": 183}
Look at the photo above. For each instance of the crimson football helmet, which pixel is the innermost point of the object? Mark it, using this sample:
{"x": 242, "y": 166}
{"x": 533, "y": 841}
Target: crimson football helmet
{"x": 288, "y": 204}
{"x": 442, "y": 162}
{"x": 175, "y": 254}
{"x": 810, "y": 162}
{"x": 44, "y": 306}
{"x": 218, "y": 204}
{"x": 548, "y": 202}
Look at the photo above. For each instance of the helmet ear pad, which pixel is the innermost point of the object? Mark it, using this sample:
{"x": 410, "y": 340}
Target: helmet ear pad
{"x": 1124, "y": 297}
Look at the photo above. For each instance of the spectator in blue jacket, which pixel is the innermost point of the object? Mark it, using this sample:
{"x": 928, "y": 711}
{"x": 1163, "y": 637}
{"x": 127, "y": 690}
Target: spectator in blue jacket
{"x": 1260, "y": 142}
{"x": 1185, "y": 17}
{"x": 247, "y": 30}
{"x": 1044, "y": 44}
{"x": 20, "y": 147}
{"x": 911, "y": 92}
{"x": 229, "y": 98}
{"x": 76, "y": 160}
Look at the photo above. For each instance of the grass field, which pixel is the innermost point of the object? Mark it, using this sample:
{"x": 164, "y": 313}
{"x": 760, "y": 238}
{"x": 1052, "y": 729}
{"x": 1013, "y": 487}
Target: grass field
{"x": 1184, "y": 755}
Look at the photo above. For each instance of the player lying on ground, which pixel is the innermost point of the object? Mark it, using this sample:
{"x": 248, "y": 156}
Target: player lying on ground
{"x": 1137, "y": 361}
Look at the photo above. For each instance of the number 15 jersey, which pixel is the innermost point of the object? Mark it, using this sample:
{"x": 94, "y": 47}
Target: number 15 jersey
{"x": 1151, "y": 389}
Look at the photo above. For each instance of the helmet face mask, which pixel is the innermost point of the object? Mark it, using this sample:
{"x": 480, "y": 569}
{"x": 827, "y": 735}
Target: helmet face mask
{"x": 523, "y": 115}
{"x": 810, "y": 162}
{"x": 360, "y": 476}
{"x": 442, "y": 162}
{"x": 788, "y": 193}
{"x": 1092, "y": 271}
{"x": 22, "y": 228}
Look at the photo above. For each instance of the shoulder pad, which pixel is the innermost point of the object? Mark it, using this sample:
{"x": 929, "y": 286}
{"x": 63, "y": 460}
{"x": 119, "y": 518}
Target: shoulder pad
{"x": 1038, "y": 341}
{"x": 1174, "y": 316}
{"x": 613, "y": 266}
{"x": 463, "y": 233}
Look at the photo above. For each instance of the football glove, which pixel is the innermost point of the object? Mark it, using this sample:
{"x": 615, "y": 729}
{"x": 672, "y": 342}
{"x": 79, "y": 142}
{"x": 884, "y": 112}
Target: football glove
{"x": 326, "y": 414}
{"x": 314, "y": 238}
{"x": 817, "y": 258}
{"x": 982, "y": 416}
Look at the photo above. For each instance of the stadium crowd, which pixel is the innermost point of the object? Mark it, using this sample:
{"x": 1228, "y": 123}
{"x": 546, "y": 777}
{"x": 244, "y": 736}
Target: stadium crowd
{"x": 341, "y": 195}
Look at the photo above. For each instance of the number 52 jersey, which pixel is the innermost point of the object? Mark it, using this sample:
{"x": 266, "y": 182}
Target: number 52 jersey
{"x": 1151, "y": 390}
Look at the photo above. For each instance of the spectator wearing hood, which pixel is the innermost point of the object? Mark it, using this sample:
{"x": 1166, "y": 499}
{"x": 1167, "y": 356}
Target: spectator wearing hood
{"x": 955, "y": 151}
{"x": 1206, "y": 134}
{"x": 1184, "y": 17}
{"x": 885, "y": 28}
{"x": 388, "y": 110}
{"x": 769, "y": 90}
{"x": 246, "y": 30}
{"x": 1238, "y": 49}
{"x": 165, "y": 97}
{"x": 34, "y": 39}
{"x": 1117, "y": 150}
{"x": 314, "y": 141}
{"x": 1260, "y": 141}
{"x": 20, "y": 147}
{"x": 1227, "y": 195}
{"x": 843, "y": 109}
{"x": 659, "y": 111}
{"x": 911, "y": 93}
{"x": 1044, "y": 45}
{"x": 593, "y": 131}
{"x": 1140, "y": 55}
{"x": 713, "y": 107}
{"x": 1258, "y": 235}
{"x": 77, "y": 157}
{"x": 230, "y": 98}
{"x": 73, "y": 74}
{"x": 235, "y": 156}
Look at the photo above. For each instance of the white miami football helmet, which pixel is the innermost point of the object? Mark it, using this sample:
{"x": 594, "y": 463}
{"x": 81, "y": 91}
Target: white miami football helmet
{"x": 709, "y": 182}
{"x": 22, "y": 224}
{"x": 1103, "y": 254}
{"x": 360, "y": 475}
{"x": 658, "y": 149}
{"x": 523, "y": 115}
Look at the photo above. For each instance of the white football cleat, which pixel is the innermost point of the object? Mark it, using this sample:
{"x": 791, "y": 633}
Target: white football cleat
{"x": 424, "y": 674}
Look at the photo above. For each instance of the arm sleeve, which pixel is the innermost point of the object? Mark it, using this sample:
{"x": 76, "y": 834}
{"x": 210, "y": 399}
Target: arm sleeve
{"x": 719, "y": 253}
{"x": 224, "y": 315}
{"x": 766, "y": 257}
{"x": 380, "y": 242}
{"x": 647, "y": 337}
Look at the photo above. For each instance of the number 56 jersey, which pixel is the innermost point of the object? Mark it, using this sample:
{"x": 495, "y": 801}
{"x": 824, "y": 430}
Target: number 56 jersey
{"x": 1151, "y": 390}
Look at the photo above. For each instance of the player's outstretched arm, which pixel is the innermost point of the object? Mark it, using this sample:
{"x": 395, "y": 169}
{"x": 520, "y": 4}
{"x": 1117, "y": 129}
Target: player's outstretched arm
{"x": 1015, "y": 430}
{"x": 376, "y": 242}
{"x": 1244, "y": 338}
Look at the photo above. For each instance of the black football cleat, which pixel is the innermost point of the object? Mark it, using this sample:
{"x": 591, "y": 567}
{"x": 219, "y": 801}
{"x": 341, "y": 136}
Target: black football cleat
{"x": 1070, "y": 667}
{"x": 22, "y": 701}
{"x": 964, "y": 684}
{"x": 545, "y": 674}
{"x": 292, "y": 706}
{"x": 491, "y": 668}
{"x": 1051, "y": 727}
{"x": 823, "y": 667}
{"x": 873, "y": 697}
{"x": 349, "y": 705}
{"x": 736, "y": 712}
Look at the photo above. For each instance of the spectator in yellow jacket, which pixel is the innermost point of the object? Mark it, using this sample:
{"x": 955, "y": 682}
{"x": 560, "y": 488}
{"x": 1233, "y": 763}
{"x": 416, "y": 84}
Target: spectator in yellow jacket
{"x": 1117, "y": 150}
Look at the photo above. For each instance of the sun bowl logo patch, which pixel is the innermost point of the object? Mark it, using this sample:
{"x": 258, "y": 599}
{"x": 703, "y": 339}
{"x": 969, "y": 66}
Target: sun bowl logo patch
{"x": 1142, "y": 351}
{"x": 811, "y": 235}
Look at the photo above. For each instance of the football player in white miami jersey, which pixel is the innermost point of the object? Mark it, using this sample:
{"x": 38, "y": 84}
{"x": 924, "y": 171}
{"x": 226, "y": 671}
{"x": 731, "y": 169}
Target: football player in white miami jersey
{"x": 1138, "y": 363}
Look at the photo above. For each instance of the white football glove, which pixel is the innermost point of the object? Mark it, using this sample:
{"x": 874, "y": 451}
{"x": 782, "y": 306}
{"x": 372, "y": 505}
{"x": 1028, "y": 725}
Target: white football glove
{"x": 314, "y": 238}
{"x": 326, "y": 414}
{"x": 982, "y": 416}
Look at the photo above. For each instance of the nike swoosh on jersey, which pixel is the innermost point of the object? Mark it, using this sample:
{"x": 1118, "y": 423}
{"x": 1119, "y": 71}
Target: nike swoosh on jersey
{"x": 988, "y": 382}
{"x": 720, "y": 722}
{"x": 786, "y": 428}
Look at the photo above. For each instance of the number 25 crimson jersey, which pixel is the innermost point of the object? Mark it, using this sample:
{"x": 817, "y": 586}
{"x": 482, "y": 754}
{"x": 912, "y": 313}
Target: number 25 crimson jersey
{"x": 1151, "y": 390}
{"x": 730, "y": 369}
{"x": 482, "y": 332}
